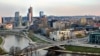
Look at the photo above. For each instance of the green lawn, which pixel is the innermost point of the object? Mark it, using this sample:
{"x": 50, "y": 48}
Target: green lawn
{"x": 2, "y": 52}
{"x": 1, "y": 40}
{"x": 82, "y": 49}
{"x": 80, "y": 36}
{"x": 35, "y": 39}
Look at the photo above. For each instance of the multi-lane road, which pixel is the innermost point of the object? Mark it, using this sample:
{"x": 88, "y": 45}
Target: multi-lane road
{"x": 75, "y": 41}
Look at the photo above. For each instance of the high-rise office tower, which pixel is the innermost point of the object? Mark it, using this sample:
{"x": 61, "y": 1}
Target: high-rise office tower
{"x": 0, "y": 20}
{"x": 41, "y": 13}
{"x": 16, "y": 21}
{"x": 17, "y": 14}
{"x": 20, "y": 21}
{"x": 44, "y": 21}
{"x": 30, "y": 15}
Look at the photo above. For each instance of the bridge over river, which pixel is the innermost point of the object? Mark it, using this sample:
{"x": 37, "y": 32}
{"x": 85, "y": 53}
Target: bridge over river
{"x": 11, "y": 32}
{"x": 33, "y": 47}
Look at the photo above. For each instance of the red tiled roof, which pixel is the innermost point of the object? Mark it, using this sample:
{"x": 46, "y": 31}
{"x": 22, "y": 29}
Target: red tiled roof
{"x": 97, "y": 25}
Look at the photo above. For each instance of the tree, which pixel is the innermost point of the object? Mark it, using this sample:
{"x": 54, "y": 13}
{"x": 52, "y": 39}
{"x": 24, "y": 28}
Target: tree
{"x": 79, "y": 35}
{"x": 14, "y": 51}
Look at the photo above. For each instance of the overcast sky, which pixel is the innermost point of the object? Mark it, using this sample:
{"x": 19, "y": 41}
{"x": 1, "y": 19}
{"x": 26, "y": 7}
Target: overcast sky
{"x": 50, "y": 7}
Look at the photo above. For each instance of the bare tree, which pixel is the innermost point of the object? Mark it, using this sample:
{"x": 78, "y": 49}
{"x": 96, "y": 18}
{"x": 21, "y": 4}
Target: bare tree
{"x": 14, "y": 51}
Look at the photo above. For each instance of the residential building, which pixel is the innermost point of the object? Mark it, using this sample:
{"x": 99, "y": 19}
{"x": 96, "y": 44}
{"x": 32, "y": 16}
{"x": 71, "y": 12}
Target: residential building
{"x": 79, "y": 31}
{"x": 97, "y": 25}
{"x": 90, "y": 21}
{"x": 83, "y": 21}
{"x": 60, "y": 35}
{"x": 44, "y": 21}
{"x": 50, "y": 23}
{"x": 59, "y": 25}
{"x": 8, "y": 26}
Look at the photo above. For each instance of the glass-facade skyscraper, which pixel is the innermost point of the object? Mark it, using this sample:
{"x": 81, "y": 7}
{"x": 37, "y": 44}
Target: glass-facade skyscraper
{"x": 94, "y": 38}
{"x": 41, "y": 13}
{"x": 16, "y": 21}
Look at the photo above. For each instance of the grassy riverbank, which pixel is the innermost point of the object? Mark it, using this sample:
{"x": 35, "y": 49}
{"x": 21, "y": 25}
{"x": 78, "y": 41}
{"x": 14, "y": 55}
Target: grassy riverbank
{"x": 2, "y": 52}
{"x": 35, "y": 39}
{"x": 1, "y": 40}
{"x": 82, "y": 49}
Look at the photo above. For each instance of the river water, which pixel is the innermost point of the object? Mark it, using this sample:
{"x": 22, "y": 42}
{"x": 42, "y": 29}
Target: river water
{"x": 12, "y": 40}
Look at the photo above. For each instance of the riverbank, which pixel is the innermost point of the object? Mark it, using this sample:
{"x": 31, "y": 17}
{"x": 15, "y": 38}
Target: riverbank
{"x": 35, "y": 39}
{"x": 2, "y": 51}
{"x": 1, "y": 40}
{"x": 82, "y": 50}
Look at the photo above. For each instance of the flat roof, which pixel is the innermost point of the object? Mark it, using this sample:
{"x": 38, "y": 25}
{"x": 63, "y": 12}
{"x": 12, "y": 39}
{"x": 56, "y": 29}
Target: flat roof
{"x": 95, "y": 33}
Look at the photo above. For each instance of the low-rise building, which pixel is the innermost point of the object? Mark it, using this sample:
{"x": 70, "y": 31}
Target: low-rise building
{"x": 60, "y": 35}
{"x": 94, "y": 38}
{"x": 59, "y": 25}
{"x": 78, "y": 31}
{"x": 8, "y": 26}
{"x": 97, "y": 25}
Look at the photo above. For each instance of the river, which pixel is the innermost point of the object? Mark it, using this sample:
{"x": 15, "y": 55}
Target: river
{"x": 12, "y": 40}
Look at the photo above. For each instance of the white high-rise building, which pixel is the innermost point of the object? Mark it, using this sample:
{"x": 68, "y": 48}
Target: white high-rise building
{"x": 20, "y": 21}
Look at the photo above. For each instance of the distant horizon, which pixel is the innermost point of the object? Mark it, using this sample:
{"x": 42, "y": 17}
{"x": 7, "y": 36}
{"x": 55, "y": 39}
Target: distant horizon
{"x": 50, "y": 7}
{"x": 55, "y": 15}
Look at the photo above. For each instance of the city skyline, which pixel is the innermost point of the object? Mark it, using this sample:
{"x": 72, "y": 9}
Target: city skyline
{"x": 50, "y": 7}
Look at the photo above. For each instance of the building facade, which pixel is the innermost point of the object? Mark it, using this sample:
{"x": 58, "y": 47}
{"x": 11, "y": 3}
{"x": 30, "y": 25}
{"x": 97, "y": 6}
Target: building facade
{"x": 0, "y": 20}
{"x": 94, "y": 38}
{"x": 16, "y": 21}
{"x": 9, "y": 26}
{"x": 59, "y": 25}
{"x": 44, "y": 21}
{"x": 30, "y": 15}
{"x": 83, "y": 21}
{"x": 41, "y": 14}
{"x": 60, "y": 35}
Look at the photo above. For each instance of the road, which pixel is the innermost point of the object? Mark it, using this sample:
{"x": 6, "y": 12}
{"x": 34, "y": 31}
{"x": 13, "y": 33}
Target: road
{"x": 76, "y": 41}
